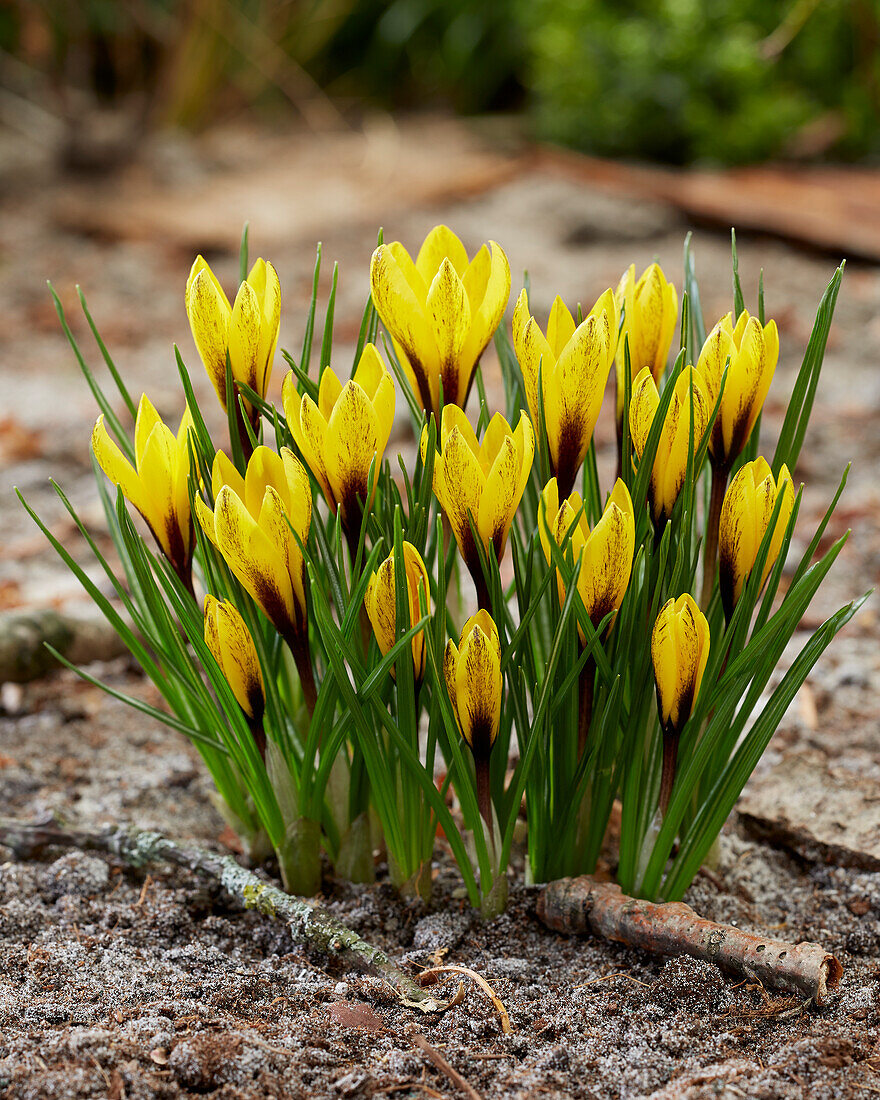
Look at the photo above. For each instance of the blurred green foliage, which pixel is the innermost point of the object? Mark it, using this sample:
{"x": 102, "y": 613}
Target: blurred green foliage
{"x": 674, "y": 80}
{"x": 723, "y": 80}
{"x": 464, "y": 53}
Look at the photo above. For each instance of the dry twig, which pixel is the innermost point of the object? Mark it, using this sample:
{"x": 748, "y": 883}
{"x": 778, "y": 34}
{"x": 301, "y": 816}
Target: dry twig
{"x": 439, "y": 1062}
{"x": 427, "y": 977}
{"x": 673, "y": 928}
{"x": 308, "y": 922}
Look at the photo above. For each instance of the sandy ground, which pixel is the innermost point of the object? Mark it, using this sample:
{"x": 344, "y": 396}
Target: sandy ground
{"x": 117, "y": 985}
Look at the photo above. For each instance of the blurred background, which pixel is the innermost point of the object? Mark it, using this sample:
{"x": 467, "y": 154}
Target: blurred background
{"x": 731, "y": 82}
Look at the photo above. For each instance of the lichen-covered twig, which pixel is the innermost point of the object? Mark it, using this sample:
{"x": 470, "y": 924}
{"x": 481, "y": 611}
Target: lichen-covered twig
{"x": 308, "y": 922}
{"x": 80, "y": 638}
{"x": 673, "y": 928}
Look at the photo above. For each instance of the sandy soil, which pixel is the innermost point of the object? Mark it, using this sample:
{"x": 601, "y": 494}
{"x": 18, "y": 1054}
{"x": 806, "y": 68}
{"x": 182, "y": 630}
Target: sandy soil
{"x": 116, "y": 984}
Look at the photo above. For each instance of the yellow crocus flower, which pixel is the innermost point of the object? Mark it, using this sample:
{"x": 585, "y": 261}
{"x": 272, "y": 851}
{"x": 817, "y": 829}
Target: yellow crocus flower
{"x": 233, "y": 649}
{"x": 605, "y": 553}
{"x": 247, "y": 330}
{"x": 679, "y": 652}
{"x": 670, "y": 462}
{"x": 573, "y": 362}
{"x": 347, "y": 429}
{"x": 157, "y": 485}
{"x": 381, "y": 603}
{"x": 650, "y": 311}
{"x": 441, "y": 311}
{"x": 745, "y": 515}
{"x": 472, "y": 670}
{"x": 484, "y": 481}
{"x": 252, "y": 525}
{"x": 753, "y": 351}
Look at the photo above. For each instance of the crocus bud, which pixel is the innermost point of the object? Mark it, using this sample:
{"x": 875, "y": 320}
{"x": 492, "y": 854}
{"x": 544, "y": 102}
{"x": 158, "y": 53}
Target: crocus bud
{"x": 745, "y": 515}
{"x": 670, "y": 461}
{"x": 250, "y": 525}
{"x": 573, "y": 364}
{"x": 605, "y": 553}
{"x": 347, "y": 429}
{"x": 233, "y": 649}
{"x": 483, "y": 481}
{"x": 441, "y": 311}
{"x": 753, "y": 351}
{"x": 247, "y": 330}
{"x": 157, "y": 486}
{"x": 473, "y": 679}
{"x": 381, "y": 603}
{"x": 679, "y": 652}
{"x": 650, "y": 311}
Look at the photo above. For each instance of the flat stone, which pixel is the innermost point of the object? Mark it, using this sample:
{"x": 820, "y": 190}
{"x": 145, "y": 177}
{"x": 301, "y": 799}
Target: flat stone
{"x": 824, "y": 814}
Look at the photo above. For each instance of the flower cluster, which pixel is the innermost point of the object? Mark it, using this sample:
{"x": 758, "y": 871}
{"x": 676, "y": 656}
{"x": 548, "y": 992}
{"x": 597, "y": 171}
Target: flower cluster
{"x": 300, "y": 614}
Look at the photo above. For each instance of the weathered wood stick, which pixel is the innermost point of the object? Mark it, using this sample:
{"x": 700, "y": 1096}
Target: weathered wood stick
{"x": 308, "y": 922}
{"x": 81, "y": 639}
{"x": 673, "y": 928}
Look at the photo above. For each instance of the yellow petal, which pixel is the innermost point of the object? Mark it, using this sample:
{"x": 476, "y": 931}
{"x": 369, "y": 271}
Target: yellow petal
{"x": 209, "y": 315}
{"x": 573, "y": 396}
{"x": 450, "y": 313}
{"x": 486, "y": 319}
{"x": 370, "y": 371}
{"x": 670, "y": 466}
{"x": 273, "y": 523}
{"x": 606, "y": 559}
{"x": 455, "y": 417}
{"x": 524, "y": 439}
{"x": 497, "y": 430}
{"x": 239, "y": 660}
{"x": 118, "y": 469}
{"x": 642, "y": 408}
{"x": 254, "y": 560}
{"x": 351, "y": 444}
{"x": 205, "y": 516}
{"x": 476, "y": 278}
{"x": 328, "y": 392}
{"x": 381, "y": 604}
{"x": 309, "y": 430}
{"x": 298, "y": 499}
{"x": 406, "y": 318}
{"x": 478, "y": 683}
{"x": 180, "y": 489}
{"x": 548, "y": 509}
{"x": 440, "y": 244}
{"x": 264, "y": 468}
{"x": 521, "y": 317}
{"x": 536, "y": 359}
{"x": 244, "y": 337}
{"x": 264, "y": 279}
{"x": 147, "y": 419}
{"x": 664, "y": 657}
{"x": 156, "y": 477}
{"x": 458, "y": 485}
{"x": 736, "y": 536}
{"x": 450, "y": 674}
{"x": 224, "y": 472}
{"x": 607, "y": 305}
{"x": 560, "y": 326}
{"x": 498, "y": 500}
{"x": 201, "y": 264}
